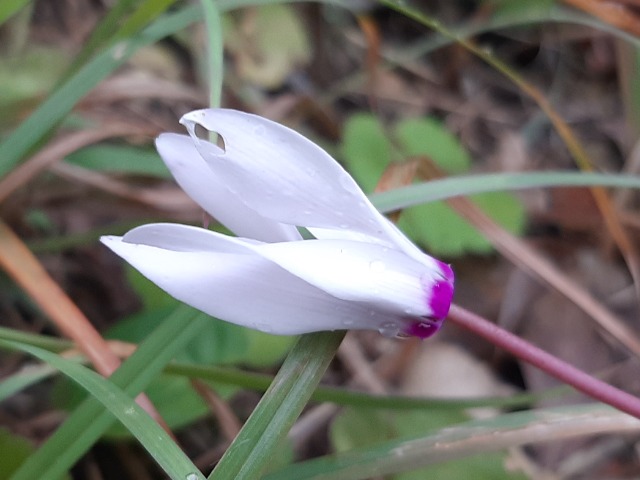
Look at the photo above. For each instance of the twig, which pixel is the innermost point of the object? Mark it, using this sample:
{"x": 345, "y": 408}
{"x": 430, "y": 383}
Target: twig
{"x": 546, "y": 362}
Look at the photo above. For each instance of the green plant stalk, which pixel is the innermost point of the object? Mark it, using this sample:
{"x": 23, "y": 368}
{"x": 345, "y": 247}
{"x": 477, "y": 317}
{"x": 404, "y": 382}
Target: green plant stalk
{"x": 260, "y": 382}
{"x": 109, "y": 30}
{"x": 347, "y": 397}
{"x": 450, "y": 187}
{"x": 215, "y": 51}
{"x": 101, "y": 34}
{"x": 302, "y": 370}
{"x": 144, "y": 14}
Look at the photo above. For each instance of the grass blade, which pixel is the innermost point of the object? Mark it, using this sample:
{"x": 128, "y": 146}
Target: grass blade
{"x": 58, "y": 104}
{"x": 252, "y": 449}
{"x": 155, "y": 440}
{"x": 89, "y": 421}
{"x": 463, "y": 440}
{"x": 491, "y": 182}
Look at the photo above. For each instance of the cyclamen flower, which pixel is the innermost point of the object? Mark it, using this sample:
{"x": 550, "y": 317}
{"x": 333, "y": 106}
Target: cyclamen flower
{"x": 360, "y": 271}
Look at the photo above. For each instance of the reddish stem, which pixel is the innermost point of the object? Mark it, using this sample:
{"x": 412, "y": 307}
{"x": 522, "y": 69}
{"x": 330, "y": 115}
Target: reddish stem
{"x": 546, "y": 362}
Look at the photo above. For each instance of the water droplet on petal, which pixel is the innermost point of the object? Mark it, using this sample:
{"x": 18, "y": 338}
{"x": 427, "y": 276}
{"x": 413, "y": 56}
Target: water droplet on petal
{"x": 191, "y": 476}
{"x": 308, "y": 212}
{"x": 347, "y": 323}
{"x": 347, "y": 183}
{"x": 389, "y": 329}
{"x": 344, "y": 225}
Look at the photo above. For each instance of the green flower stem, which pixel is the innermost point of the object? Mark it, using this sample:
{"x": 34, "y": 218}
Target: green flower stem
{"x": 215, "y": 50}
{"x": 252, "y": 449}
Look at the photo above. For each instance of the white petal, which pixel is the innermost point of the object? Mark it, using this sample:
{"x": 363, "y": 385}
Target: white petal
{"x": 237, "y": 285}
{"x": 364, "y": 272}
{"x": 186, "y": 238}
{"x": 287, "y": 178}
{"x": 201, "y": 184}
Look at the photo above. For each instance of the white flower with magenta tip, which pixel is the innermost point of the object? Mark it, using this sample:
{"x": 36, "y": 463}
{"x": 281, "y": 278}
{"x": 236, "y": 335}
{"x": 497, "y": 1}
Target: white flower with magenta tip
{"x": 360, "y": 271}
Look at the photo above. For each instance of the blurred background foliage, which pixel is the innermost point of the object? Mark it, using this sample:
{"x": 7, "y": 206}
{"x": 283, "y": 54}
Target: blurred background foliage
{"x": 86, "y": 85}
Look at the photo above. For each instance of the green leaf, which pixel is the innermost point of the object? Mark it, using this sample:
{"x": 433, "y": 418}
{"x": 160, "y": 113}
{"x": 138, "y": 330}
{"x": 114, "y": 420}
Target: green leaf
{"x": 440, "y": 229}
{"x": 174, "y": 398}
{"x": 155, "y": 440}
{"x": 429, "y": 137}
{"x": 15, "y": 450}
{"x": 260, "y": 382}
{"x": 26, "y": 77}
{"x": 60, "y": 102}
{"x": 365, "y": 149}
{"x": 360, "y": 428}
{"x": 31, "y": 73}
{"x": 267, "y": 51}
{"x": 458, "y": 442}
{"x": 120, "y": 159}
{"x": 438, "y": 226}
{"x": 89, "y": 421}
{"x": 8, "y": 8}
{"x": 265, "y": 350}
